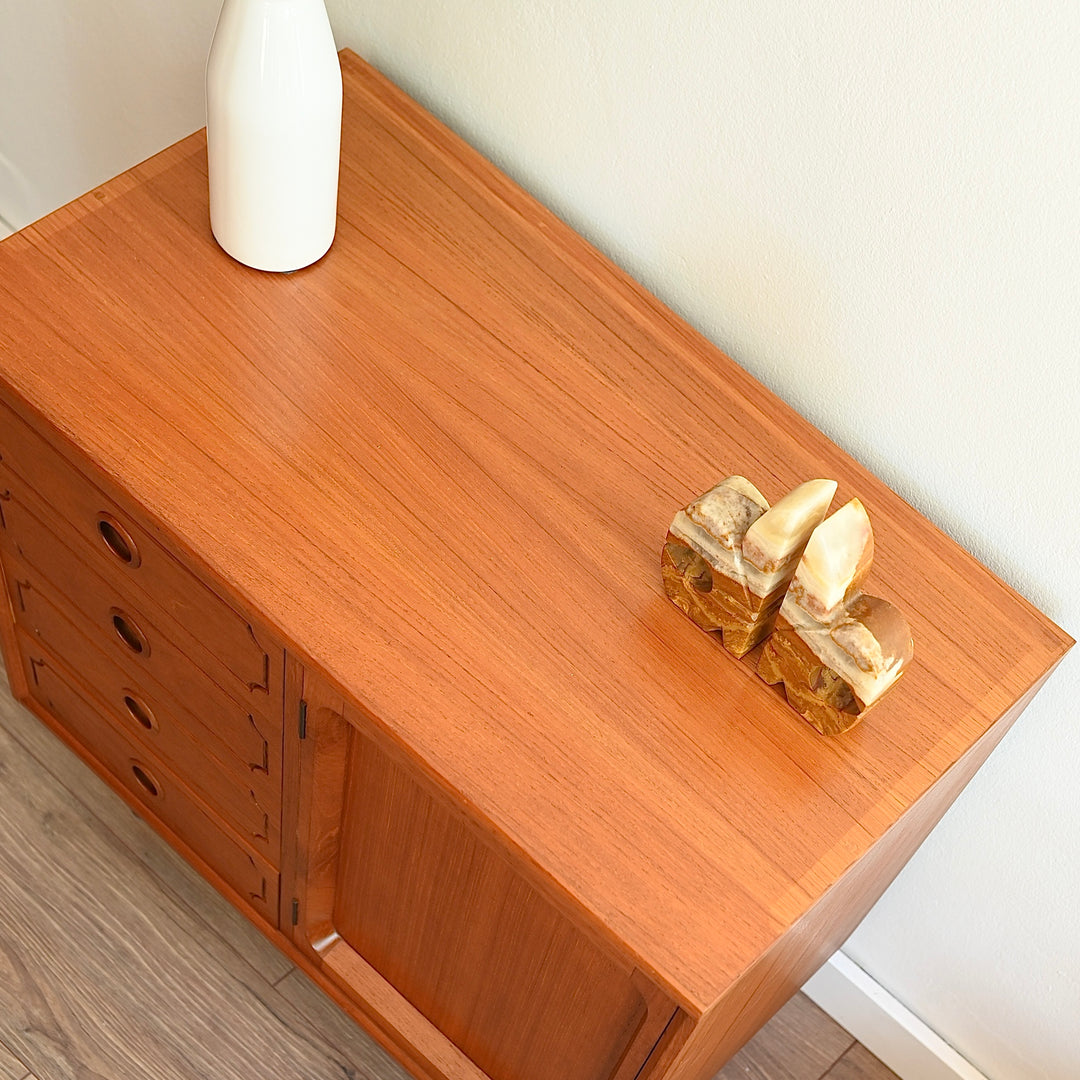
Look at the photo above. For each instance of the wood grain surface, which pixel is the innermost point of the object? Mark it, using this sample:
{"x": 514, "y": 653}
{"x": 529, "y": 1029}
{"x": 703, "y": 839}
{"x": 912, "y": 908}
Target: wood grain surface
{"x": 11, "y": 1068}
{"x": 252, "y": 810}
{"x": 152, "y": 786}
{"x": 441, "y": 464}
{"x": 336, "y": 1028}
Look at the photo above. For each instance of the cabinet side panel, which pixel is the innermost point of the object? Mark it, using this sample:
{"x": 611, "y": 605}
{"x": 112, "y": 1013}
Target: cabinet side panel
{"x": 781, "y": 970}
{"x": 467, "y": 941}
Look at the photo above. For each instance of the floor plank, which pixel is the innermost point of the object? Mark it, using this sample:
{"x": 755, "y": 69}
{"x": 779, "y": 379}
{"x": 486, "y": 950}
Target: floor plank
{"x": 859, "y": 1064}
{"x": 11, "y": 1068}
{"x": 800, "y": 1043}
{"x": 336, "y": 1028}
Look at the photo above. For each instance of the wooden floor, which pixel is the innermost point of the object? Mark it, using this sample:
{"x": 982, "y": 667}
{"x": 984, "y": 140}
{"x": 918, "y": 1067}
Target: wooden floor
{"x": 117, "y": 962}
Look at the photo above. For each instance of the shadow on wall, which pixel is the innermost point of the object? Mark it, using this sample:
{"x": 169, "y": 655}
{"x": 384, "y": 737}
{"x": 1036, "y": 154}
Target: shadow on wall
{"x": 16, "y": 196}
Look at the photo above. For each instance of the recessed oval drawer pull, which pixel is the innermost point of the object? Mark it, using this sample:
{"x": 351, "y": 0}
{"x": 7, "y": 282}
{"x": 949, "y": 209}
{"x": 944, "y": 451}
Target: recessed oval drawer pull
{"x": 145, "y": 779}
{"x": 129, "y": 633}
{"x": 140, "y": 712}
{"x": 118, "y": 540}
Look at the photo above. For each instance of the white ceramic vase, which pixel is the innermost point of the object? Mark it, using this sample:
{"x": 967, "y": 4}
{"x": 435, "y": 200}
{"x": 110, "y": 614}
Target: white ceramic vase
{"x": 273, "y": 132}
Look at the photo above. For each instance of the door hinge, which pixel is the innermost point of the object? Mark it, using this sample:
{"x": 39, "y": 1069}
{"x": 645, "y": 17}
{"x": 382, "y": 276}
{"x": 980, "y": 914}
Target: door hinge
{"x": 295, "y": 911}
{"x": 303, "y": 719}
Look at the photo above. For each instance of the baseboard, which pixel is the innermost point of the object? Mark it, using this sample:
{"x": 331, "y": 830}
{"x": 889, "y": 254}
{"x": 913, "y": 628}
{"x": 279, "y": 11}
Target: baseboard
{"x": 886, "y": 1028}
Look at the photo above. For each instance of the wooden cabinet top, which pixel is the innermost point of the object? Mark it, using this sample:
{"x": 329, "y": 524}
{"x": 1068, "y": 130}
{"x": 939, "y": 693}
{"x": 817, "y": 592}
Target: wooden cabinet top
{"x": 442, "y": 462}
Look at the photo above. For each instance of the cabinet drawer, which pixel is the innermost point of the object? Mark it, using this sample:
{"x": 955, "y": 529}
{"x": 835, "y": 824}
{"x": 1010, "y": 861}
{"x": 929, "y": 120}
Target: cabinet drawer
{"x": 245, "y": 795}
{"x": 152, "y": 784}
{"x": 248, "y": 741}
{"x": 121, "y": 624}
{"x": 111, "y": 540}
{"x": 161, "y": 676}
{"x": 236, "y": 765}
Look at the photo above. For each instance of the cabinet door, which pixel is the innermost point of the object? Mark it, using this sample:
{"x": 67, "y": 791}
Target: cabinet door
{"x": 404, "y": 899}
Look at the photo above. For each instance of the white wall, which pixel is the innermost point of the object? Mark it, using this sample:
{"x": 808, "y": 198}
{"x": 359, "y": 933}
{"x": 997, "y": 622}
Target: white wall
{"x": 88, "y": 88}
{"x": 876, "y": 209}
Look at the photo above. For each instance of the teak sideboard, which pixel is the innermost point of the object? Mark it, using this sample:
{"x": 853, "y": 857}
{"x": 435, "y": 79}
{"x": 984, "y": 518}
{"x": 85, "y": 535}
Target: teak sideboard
{"x": 348, "y": 580}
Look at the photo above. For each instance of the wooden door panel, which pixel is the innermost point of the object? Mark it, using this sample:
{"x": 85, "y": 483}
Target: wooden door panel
{"x": 463, "y": 937}
{"x": 399, "y": 890}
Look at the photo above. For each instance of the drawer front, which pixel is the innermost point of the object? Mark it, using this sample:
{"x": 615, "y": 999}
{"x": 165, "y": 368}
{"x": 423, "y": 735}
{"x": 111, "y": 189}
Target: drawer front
{"x": 253, "y": 808}
{"x": 152, "y": 784}
{"x": 248, "y": 741}
{"x": 236, "y": 765}
{"x": 110, "y": 539}
{"x": 125, "y": 627}
{"x": 138, "y": 707}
